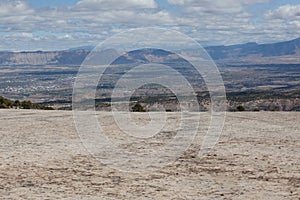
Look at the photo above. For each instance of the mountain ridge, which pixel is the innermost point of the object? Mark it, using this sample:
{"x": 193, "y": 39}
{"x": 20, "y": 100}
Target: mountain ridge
{"x": 251, "y": 52}
{"x": 285, "y": 48}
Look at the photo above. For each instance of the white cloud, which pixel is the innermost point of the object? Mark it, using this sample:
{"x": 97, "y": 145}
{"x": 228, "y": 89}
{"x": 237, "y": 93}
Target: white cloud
{"x": 12, "y": 8}
{"x": 91, "y": 21}
{"x": 23, "y": 35}
{"x": 283, "y": 23}
{"x": 134, "y": 18}
{"x": 285, "y": 12}
{"x": 13, "y": 12}
{"x": 296, "y": 24}
{"x": 115, "y": 4}
{"x": 223, "y": 6}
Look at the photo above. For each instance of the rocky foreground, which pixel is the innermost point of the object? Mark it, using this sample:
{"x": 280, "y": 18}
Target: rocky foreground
{"x": 42, "y": 157}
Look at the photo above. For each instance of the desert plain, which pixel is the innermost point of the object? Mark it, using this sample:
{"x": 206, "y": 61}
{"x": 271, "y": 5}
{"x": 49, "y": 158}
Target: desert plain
{"x": 257, "y": 157}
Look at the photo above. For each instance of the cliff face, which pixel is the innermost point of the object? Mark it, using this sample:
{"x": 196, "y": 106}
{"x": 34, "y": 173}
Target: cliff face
{"x": 33, "y": 58}
{"x": 42, "y": 58}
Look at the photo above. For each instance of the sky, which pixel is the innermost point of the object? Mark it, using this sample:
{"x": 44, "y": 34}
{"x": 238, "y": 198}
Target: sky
{"x": 29, "y": 25}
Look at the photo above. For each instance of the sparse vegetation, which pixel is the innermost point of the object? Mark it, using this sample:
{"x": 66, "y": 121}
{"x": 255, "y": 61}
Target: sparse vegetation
{"x": 10, "y": 104}
{"x": 240, "y": 108}
{"x": 138, "y": 108}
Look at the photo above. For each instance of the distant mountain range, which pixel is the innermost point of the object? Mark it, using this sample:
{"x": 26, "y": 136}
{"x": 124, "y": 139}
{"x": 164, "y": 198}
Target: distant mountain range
{"x": 249, "y": 53}
{"x": 287, "y": 48}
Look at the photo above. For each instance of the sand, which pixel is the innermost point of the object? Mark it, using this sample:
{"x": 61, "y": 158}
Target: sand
{"x": 42, "y": 157}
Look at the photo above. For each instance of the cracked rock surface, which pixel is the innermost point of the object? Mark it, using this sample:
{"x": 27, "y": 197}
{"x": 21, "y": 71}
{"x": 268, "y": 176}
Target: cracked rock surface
{"x": 42, "y": 157}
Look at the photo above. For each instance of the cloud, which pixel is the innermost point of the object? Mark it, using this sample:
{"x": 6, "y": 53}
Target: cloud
{"x": 115, "y": 4}
{"x": 13, "y": 8}
{"x": 285, "y": 12}
{"x": 130, "y": 18}
{"x": 23, "y": 35}
{"x": 296, "y": 24}
{"x": 216, "y": 6}
{"x": 283, "y": 22}
{"x": 13, "y": 12}
{"x": 91, "y": 21}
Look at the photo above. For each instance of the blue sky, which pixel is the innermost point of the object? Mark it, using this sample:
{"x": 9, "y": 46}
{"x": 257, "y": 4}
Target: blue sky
{"x": 51, "y": 3}
{"x": 62, "y": 24}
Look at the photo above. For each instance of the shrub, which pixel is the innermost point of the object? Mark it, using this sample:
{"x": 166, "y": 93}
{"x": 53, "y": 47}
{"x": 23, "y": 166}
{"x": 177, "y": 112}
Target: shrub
{"x": 26, "y": 104}
{"x": 240, "y": 108}
{"x": 17, "y": 103}
{"x": 138, "y": 108}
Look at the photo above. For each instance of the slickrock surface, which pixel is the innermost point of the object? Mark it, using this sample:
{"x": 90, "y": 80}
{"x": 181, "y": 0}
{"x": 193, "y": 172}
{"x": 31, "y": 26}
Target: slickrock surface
{"x": 257, "y": 157}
